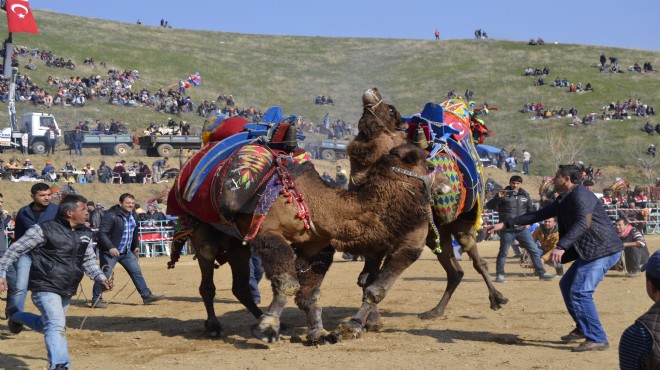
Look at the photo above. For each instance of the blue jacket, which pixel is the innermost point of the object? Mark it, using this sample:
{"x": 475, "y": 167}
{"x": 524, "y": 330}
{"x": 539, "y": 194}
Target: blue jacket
{"x": 25, "y": 218}
{"x": 585, "y": 230}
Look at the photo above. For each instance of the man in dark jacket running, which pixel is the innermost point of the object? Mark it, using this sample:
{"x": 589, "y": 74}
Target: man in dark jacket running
{"x": 514, "y": 201}
{"x": 61, "y": 251}
{"x": 117, "y": 240}
{"x": 586, "y": 237}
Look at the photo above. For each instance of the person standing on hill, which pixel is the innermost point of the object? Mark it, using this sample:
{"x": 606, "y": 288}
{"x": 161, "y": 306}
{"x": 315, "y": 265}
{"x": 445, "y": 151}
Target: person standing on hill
{"x": 586, "y": 238}
{"x": 437, "y": 34}
{"x": 157, "y": 167}
{"x": 527, "y": 159}
{"x": 603, "y": 60}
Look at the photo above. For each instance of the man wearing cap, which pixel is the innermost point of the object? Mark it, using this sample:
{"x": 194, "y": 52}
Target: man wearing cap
{"x": 510, "y": 202}
{"x": 639, "y": 347}
{"x": 588, "y": 239}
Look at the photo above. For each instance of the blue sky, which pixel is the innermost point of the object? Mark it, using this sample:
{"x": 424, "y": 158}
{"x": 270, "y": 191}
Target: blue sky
{"x": 601, "y": 23}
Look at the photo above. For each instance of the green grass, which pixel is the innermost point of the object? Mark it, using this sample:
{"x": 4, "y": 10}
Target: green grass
{"x": 291, "y": 71}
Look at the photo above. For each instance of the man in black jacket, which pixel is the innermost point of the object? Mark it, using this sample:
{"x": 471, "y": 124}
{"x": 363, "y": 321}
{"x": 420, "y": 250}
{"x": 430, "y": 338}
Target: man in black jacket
{"x": 514, "y": 201}
{"x": 117, "y": 240}
{"x": 586, "y": 237}
{"x": 61, "y": 251}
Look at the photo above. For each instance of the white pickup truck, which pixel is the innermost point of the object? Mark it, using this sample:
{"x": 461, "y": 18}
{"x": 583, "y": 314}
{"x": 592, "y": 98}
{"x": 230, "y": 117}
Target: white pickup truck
{"x": 30, "y": 136}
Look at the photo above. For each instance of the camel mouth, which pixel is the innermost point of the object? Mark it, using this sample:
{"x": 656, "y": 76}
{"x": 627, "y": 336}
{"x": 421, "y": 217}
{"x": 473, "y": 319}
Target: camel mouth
{"x": 371, "y": 97}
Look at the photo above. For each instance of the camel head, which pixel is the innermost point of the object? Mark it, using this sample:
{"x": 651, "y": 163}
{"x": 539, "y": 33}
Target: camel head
{"x": 411, "y": 161}
{"x": 378, "y": 116}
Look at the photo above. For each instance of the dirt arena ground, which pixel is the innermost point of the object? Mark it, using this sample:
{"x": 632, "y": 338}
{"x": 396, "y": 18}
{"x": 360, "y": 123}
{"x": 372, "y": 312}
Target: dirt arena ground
{"x": 168, "y": 334}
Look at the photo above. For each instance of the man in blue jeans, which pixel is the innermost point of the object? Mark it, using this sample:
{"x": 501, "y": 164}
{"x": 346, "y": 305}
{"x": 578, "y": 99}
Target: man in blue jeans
{"x": 61, "y": 251}
{"x": 514, "y": 201}
{"x": 40, "y": 210}
{"x": 117, "y": 241}
{"x": 588, "y": 239}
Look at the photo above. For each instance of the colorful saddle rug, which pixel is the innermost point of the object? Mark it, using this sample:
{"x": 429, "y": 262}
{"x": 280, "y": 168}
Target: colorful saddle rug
{"x": 447, "y": 128}
{"x": 215, "y": 187}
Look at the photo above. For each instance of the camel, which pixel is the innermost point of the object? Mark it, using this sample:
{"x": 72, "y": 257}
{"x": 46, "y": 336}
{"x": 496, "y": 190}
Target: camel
{"x": 296, "y": 248}
{"x": 381, "y": 128}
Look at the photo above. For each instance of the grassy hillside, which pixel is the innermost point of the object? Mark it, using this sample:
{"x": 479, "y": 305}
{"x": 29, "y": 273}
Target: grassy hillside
{"x": 291, "y": 71}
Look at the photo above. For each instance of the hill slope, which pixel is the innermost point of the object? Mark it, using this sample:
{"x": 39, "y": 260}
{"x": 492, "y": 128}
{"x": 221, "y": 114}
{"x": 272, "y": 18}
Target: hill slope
{"x": 291, "y": 71}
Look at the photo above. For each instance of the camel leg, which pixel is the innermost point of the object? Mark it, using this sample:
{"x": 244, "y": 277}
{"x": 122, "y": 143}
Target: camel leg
{"x": 311, "y": 272}
{"x": 278, "y": 260}
{"x": 375, "y": 292}
{"x": 207, "y": 291}
{"x": 452, "y": 268}
{"x": 239, "y": 260}
{"x": 496, "y": 298}
{"x": 368, "y": 275}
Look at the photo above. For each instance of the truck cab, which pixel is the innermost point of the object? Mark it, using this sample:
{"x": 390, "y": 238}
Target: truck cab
{"x": 31, "y": 134}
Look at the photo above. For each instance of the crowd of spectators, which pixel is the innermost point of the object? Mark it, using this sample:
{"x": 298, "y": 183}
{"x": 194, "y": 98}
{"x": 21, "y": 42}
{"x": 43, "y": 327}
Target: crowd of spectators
{"x": 624, "y": 109}
{"x": 536, "y": 42}
{"x": 637, "y": 68}
{"x": 536, "y": 71}
{"x": 323, "y": 100}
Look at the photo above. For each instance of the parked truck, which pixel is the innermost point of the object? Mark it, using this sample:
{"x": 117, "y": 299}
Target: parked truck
{"x": 164, "y": 145}
{"x": 332, "y": 150}
{"x": 29, "y": 133}
{"x": 118, "y": 144}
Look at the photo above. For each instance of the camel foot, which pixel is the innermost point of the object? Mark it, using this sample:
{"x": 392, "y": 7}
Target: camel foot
{"x": 351, "y": 329}
{"x": 374, "y": 323}
{"x": 320, "y": 337}
{"x": 213, "y": 328}
{"x": 430, "y": 315}
{"x": 268, "y": 329}
{"x": 497, "y": 300}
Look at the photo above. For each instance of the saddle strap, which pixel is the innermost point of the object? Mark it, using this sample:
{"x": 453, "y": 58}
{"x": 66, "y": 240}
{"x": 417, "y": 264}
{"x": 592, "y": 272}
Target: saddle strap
{"x": 290, "y": 191}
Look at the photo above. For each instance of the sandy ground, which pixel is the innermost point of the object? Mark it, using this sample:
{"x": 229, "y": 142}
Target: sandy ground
{"x": 168, "y": 334}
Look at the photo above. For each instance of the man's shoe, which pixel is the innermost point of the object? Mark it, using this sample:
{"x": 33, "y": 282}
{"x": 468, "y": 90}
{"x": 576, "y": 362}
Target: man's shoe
{"x": 588, "y": 345}
{"x": 152, "y": 298}
{"x": 573, "y": 336}
{"x": 14, "y": 326}
{"x": 99, "y": 304}
{"x": 500, "y": 279}
{"x": 61, "y": 366}
{"x": 633, "y": 274}
{"x": 545, "y": 276}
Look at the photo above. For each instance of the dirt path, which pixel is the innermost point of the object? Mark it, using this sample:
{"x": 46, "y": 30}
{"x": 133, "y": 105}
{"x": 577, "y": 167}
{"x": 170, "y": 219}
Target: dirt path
{"x": 523, "y": 335}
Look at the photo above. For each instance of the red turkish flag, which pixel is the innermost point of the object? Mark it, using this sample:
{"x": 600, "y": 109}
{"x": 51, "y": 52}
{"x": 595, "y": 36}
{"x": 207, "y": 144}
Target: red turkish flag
{"x": 19, "y": 17}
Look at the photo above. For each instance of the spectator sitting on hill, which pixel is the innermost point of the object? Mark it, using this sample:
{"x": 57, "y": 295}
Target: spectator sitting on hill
{"x": 651, "y": 150}
{"x": 588, "y": 87}
{"x": 546, "y": 70}
{"x": 539, "y": 82}
{"x": 528, "y": 71}
{"x": 648, "y": 128}
{"x": 636, "y": 67}
{"x": 648, "y": 67}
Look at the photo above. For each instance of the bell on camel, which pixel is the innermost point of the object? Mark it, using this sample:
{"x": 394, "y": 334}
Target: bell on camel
{"x": 419, "y": 139}
{"x": 290, "y": 138}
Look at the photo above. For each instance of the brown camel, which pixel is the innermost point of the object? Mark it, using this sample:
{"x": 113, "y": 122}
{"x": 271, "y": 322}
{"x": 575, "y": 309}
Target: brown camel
{"x": 381, "y": 128}
{"x": 354, "y": 221}
{"x": 296, "y": 259}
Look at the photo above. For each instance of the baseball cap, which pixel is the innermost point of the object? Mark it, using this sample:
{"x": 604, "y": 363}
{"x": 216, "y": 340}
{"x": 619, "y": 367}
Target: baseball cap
{"x": 652, "y": 266}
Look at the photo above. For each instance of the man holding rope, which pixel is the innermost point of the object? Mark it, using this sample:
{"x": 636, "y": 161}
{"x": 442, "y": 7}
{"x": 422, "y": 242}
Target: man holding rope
{"x": 61, "y": 251}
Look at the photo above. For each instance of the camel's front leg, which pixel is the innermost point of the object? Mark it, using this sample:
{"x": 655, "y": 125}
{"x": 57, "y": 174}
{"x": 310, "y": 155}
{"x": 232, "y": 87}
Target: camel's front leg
{"x": 239, "y": 260}
{"x": 375, "y": 292}
{"x": 278, "y": 260}
{"x": 311, "y": 271}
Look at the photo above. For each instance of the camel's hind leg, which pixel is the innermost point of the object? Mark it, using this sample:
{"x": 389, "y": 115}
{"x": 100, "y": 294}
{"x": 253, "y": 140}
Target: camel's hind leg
{"x": 452, "y": 268}
{"x": 206, "y": 253}
{"x": 278, "y": 260}
{"x": 311, "y": 272}
{"x": 465, "y": 235}
{"x": 393, "y": 266}
{"x": 239, "y": 260}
